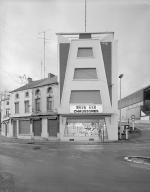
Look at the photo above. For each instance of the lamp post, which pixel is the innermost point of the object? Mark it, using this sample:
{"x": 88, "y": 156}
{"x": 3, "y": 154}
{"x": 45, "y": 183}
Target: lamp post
{"x": 120, "y": 77}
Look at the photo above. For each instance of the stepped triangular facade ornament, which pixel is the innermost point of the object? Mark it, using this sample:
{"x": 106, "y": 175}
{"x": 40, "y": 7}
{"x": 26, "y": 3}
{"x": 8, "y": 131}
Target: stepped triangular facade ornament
{"x": 88, "y": 88}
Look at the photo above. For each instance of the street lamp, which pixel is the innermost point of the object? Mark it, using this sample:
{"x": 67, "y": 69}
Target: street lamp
{"x": 120, "y": 77}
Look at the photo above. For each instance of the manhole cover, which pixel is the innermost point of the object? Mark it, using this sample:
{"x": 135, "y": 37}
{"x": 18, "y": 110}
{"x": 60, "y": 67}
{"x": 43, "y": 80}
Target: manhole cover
{"x": 138, "y": 159}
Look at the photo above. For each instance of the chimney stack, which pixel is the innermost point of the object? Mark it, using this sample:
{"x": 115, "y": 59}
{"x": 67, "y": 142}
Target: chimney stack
{"x": 29, "y": 79}
{"x": 50, "y": 75}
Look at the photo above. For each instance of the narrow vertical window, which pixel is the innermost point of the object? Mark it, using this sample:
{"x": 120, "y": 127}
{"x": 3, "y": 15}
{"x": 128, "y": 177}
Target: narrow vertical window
{"x": 17, "y": 107}
{"x": 27, "y": 94}
{"x": 37, "y": 104}
{"x": 7, "y": 112}
{"x": 37, "y": 92}
{"x": 17, "y": 96}
{"x": 26, "y": 105}
{"x": 49, "y": 104}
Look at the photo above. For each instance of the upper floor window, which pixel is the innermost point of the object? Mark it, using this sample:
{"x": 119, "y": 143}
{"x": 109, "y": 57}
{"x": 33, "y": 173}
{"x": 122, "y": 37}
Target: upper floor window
{"x": 85, "y": 52}
{"x": 26, "y": 106}
{"x": 37, "y": 92}
{"x": 37, "y": 104}
{"x": 49, "y": 103}
{"x": 85, "y": 73}
{"x": 50, "y": 91}
{"x": 7, "y": 103}
{"x": 17, "y": 96}
{"x": 27, "y": 94}
{"x": 7, "y": 112}
{"x": 17, "y": 107}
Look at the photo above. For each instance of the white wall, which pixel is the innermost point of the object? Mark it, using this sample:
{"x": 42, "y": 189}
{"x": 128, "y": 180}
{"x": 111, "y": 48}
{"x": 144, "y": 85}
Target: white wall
{"x": 97, "y": 84}
{"x": 43, "y": 97}
{"x": 22, "y": 98}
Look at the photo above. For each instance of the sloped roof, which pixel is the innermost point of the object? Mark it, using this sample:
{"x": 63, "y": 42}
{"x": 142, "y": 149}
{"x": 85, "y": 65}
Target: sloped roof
{"x": 38, "y": 83}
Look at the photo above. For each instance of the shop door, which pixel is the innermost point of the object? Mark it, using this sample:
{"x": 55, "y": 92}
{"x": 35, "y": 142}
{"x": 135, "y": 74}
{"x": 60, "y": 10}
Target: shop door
{"x": 14, "y": 128}
{"x": 52, "y": 127}
{"x": 6, "y": 129}
{"x": 37, "y": 127}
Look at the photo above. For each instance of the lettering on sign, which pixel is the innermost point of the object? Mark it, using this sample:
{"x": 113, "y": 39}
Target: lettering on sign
{"x": 86, "y": 108}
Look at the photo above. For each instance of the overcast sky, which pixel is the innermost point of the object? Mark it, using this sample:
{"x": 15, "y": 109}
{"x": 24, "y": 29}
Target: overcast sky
{"x": 21, "y": 21}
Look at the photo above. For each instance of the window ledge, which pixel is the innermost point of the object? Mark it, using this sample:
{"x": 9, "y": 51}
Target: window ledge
{"x": 85, "y": 79}
{"x": 92, "y": 57}
{"x": 52, "y": 110}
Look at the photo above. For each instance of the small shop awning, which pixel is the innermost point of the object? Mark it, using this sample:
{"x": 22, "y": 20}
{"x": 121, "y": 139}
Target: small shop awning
{"x": 20, "y": 118}
{"x": 86, "y": 114}
{"x": 52, "y": 117}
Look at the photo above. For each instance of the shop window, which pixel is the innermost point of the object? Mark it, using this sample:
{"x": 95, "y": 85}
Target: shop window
{"x": 49, "y": 103}
{"x": 85, "y": 52}
{"x": 85, "y": 96}
{"x": 86, "y": 128}
{"x": 26, "y": 106}
{"x": 37, "y": 104}
{"x": 85, "y": 73}
{"x": 17, "y": 107}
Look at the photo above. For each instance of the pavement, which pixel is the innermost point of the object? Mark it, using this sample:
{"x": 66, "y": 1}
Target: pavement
{"x": 68, "y": 167}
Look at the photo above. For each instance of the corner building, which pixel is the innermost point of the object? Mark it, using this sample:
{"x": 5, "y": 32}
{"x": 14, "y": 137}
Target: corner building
{"x": 88, "y": 87}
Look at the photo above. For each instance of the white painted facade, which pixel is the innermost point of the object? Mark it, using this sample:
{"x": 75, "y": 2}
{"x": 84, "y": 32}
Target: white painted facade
{"x": 20, "y": 124}
{"x": 5, "y": 116}
{"x": 21, "y": 99}
{"x": 110, "y": 108}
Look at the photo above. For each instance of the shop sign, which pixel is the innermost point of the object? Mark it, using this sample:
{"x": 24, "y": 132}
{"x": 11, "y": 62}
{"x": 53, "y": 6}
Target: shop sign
{"x": 85, "y": 108}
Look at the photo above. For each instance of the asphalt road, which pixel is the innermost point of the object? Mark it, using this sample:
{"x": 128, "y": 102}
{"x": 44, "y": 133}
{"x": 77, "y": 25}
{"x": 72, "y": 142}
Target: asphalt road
{"x": 76, "y": 168}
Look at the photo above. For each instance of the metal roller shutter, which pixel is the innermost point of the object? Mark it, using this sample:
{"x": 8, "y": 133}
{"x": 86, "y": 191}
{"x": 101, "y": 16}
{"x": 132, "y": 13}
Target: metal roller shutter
{"x": 37, "y": 127}
{"x": 24, "y": 127}
{"x": 52, "y": 127}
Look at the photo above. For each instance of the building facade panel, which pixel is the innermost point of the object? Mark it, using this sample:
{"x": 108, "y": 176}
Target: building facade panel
{"x": 88, "y": 107}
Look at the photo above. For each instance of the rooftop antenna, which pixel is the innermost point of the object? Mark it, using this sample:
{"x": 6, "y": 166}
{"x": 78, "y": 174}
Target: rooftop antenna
{"x": 85, "y": 15}
{"x": 41, "y": 69}
{"x": 44, "y": 42}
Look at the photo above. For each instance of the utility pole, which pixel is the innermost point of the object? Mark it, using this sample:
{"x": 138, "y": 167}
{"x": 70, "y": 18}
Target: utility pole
{"x": 120, "y": 77}
{"x": 43, "y": 51}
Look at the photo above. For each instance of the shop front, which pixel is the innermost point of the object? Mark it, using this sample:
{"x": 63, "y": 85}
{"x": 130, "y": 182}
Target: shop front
{"x": 84, "y": 123}
{"x": 83, "y": 128}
